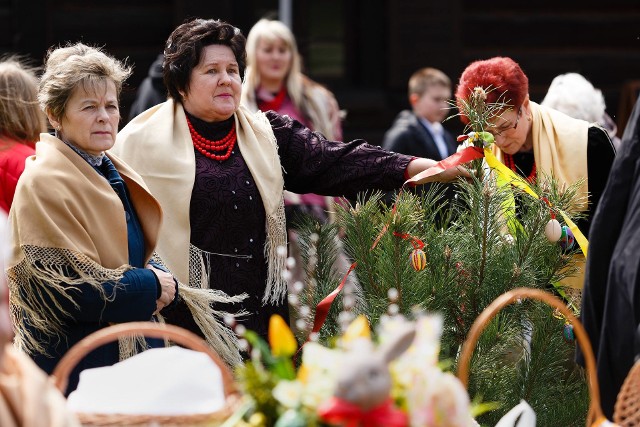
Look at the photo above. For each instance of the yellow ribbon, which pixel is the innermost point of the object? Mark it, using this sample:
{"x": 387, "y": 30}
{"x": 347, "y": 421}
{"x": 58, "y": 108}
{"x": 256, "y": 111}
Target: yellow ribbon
{"x": 507, "y": 176}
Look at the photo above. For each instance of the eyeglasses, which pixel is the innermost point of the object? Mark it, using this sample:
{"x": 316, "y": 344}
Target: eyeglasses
{"x": 499, "y": 132}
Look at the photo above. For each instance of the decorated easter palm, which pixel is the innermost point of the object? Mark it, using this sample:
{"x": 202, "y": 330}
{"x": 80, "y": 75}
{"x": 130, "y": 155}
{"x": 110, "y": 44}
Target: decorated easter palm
{"x": 492, "y": 240}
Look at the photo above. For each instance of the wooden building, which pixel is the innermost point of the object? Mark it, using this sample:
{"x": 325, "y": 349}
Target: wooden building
{"x": 365, "y": 51}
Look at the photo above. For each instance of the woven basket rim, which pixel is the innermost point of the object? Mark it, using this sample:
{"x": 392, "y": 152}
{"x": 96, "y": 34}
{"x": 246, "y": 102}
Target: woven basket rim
{"x": 595, "y": 414}
{"x": 150, "y": 329}
{"x": 106, "y": 419}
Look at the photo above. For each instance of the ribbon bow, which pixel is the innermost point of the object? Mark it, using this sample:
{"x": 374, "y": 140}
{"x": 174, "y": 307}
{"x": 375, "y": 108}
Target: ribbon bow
{"x": 349, "y": 414}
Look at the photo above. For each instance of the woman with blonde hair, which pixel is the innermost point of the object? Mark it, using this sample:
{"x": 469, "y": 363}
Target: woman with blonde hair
{"x": 274, "y": 81}
{"x": 21, "y": 122}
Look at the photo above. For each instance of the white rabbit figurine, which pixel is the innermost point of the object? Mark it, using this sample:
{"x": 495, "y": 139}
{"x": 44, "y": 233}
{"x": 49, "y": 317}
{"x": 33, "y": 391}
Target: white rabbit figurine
{"x": 362, "y": 394}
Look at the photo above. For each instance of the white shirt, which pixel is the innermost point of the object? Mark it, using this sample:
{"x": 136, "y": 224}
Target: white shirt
{"x": 437, "y": 131}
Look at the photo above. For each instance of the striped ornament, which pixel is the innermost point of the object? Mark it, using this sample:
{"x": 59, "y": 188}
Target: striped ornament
{"x": 418, "y": 259}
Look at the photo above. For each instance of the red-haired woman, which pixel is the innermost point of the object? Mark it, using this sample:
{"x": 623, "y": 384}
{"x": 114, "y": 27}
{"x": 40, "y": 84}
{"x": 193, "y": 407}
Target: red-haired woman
{"x": 534, "y": 140}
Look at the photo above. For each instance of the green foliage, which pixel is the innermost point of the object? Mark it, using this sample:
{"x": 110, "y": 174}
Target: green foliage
{"x": 320, "y": 252}
{"x": 258, "y": 383}
{"x": 474, "y": 254}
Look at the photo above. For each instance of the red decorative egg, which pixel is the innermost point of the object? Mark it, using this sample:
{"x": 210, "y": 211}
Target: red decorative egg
{"x": 418, "y": 259}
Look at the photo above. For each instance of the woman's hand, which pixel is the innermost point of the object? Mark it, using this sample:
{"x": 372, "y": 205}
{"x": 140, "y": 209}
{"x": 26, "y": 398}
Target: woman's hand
{"x": 168, "y": 286}
{"x": 419, "y": 165}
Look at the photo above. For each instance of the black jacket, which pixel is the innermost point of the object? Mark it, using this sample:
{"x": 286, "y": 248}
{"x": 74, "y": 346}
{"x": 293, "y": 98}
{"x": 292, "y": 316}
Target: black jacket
{"x": 611, "y": 296}
{"x": 151, "y": 91}
{"x": 408, "y": 136}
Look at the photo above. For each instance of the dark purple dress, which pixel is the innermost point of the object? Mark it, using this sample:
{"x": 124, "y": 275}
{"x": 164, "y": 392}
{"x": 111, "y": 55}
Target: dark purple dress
{"x": 227, "y": 214}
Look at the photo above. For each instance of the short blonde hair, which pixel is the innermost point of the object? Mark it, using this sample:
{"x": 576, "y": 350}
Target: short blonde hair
{"x": 77, "y": 64}
{"x": 20, "y": 115}
{"x": 425, "y": 78}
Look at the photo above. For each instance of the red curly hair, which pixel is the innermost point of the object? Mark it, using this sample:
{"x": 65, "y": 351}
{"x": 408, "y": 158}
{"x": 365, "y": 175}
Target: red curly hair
{"x": 503, "y": 74}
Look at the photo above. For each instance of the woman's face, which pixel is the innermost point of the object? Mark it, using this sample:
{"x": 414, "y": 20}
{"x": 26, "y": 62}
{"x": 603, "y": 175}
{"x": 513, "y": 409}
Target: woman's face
{"x": 273, "y": 59}
{"x": 90, "y": 120}
{"x": 511, "y": 130}
{"x": 215, "y": 85}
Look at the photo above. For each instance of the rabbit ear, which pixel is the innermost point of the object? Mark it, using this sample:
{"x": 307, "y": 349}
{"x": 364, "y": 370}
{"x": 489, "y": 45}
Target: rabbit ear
{"x": 398, "y": 344}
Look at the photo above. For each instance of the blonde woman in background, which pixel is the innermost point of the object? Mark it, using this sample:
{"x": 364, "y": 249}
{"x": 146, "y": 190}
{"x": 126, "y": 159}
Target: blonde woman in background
{"x": 274, "y": 81}
{"x": 21, "y": 122}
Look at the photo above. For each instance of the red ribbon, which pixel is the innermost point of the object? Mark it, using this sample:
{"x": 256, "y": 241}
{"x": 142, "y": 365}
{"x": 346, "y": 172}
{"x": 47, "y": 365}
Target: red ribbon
{"x": 415, "y": 242}
{"x": 466, "y": 155}
{"x": 322, "y": 310}
{"x": 551, "y": 212}
{"x": 348, "y": 414}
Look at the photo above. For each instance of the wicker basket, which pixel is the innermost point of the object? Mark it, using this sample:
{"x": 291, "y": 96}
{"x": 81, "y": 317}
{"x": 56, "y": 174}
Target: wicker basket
{"x": 596, "y": 416}
{"x": 626, "y": 412}
{"x": 152, "y": 330}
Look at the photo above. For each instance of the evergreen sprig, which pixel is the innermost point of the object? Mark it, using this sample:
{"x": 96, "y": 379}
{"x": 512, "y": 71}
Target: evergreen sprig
{"x": 480, "y": 113}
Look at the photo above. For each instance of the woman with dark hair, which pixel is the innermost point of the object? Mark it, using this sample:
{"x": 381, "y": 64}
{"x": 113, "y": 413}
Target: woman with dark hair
{"x": 219, "y": 170}
{"x": 534, "y": 140}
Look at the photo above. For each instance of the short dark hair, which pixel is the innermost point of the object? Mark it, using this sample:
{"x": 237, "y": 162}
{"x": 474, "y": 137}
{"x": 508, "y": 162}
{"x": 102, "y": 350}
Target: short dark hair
{"x": 183, "y": 50}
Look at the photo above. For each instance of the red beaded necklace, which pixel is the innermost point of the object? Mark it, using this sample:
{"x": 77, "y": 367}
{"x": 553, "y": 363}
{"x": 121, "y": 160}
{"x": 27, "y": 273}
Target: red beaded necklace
{"x": 508, "y": 161}
{"x": 210, "y": 148}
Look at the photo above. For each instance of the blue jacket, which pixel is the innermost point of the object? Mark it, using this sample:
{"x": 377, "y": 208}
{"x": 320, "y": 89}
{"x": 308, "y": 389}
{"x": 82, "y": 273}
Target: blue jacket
{"x": 132, "y": 299}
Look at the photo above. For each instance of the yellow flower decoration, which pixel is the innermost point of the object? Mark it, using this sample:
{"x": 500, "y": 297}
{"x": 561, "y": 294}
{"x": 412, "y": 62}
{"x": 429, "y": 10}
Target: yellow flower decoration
{"x": 281, "y": 339}
{"x": 357, "y": 329}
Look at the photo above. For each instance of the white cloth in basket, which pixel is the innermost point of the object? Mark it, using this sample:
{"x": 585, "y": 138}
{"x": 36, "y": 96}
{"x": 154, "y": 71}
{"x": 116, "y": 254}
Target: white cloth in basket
{"x": 521, "y": 415}
{"x": 159, "y": 381}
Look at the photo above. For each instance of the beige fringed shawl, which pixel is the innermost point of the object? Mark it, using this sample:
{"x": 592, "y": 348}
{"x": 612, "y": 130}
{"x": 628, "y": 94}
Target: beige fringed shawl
{"x": 68, "y": 227}
{"x": 28, "y": 397}
{"x": 157, "y": 144}
{"x": 560, "y": 151}
{"x": 559, "y": 148}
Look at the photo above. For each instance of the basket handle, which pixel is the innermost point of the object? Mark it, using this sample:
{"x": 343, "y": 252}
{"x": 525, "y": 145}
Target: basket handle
{"x": 149, "y": 329}
{"x": 595, "y": 409}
